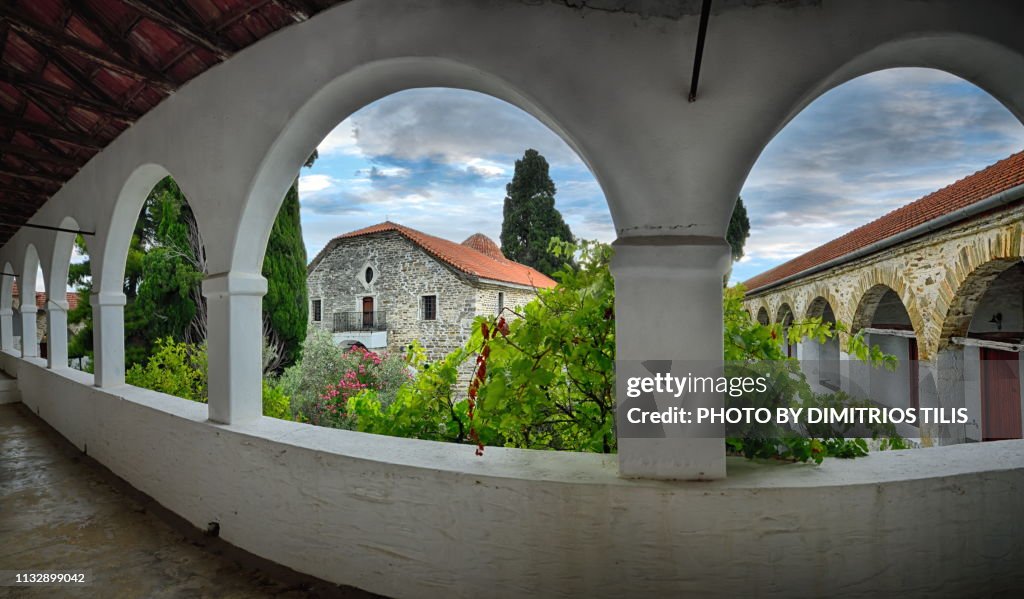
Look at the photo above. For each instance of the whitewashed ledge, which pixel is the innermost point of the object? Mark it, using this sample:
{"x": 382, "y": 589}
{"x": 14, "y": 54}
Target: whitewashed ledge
{"x": 413, "y": 518}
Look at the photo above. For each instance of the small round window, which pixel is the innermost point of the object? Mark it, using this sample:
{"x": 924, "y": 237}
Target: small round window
{"x": 369, "y": 274}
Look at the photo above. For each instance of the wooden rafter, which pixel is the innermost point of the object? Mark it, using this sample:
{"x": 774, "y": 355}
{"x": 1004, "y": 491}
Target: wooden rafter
{"x": 47, "y": 132}
{"x": 61, "y": 41}
{"x": 105, "y": 108}
{"x": 36, "y": 177}
{"x": 238, "y": 14}
{"x": 6, "y": 148}
{"x": 162, "y": 15}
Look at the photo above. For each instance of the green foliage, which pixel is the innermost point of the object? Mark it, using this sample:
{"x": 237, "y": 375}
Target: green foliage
{"x": 547, "y": 376}
{"x": 321, "y": 383}
{"x": 549, "y": 381}
{"x": 286, "y": 303}
{"x": 175, "y": 368}
{"x": 163, "y": 272}
{"x": 275, "y": 403}
{"x": 181, "y": 369}
{"x": 739, "y": 229}
{"x": 430, "y": 406}
{"x": 530, "y": 218}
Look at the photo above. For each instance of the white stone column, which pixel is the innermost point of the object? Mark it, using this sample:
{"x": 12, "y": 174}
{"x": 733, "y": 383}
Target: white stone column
{"x": 108, "y": 338}
{"x": 668, "y": 306}
{"x": 57, "y": 334}
{"x": 6, "y": 329}
{"x": 234, "y": 303}
{"x": 29, "y": 340}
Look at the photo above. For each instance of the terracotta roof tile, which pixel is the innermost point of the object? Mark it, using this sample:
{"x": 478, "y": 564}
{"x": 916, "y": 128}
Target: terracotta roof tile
{"x": 71, "y": 298}
{"x": 1003, "y": 175}
{"x": 485, "y": 245}
{"x": 464, "y": 258}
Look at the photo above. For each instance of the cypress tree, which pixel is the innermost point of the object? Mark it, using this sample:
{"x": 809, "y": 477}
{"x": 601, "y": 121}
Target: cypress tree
{"x": 530, "y": 217}
{"x": 739, "y": 230}
{"x": 286, "y": 304}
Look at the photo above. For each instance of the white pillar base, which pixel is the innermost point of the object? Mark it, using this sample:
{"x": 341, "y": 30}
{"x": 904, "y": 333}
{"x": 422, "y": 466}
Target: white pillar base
{"x": 234, "y": 327}
{"x": 668, "y": 306}
{"x": 57, "y": 334}
{"x": 108, "y": 338}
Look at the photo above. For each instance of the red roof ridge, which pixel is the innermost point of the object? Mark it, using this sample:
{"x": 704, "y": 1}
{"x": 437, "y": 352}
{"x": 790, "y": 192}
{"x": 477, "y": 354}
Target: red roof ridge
{"x": 996, "y": 178}
{"x": 464, "y": 258}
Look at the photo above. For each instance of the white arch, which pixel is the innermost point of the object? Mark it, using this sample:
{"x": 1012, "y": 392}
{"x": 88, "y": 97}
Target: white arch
{"x": 60, "y": 262}
{"x": 121, "y": 227}
{"x": 336, "y": 101}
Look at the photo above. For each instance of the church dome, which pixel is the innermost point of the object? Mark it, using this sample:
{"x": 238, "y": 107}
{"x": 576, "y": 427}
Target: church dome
{"x": 485, "y": 245}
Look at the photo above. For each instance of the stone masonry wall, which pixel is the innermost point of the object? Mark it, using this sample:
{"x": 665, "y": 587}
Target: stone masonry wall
{"x": 403, "y": 274}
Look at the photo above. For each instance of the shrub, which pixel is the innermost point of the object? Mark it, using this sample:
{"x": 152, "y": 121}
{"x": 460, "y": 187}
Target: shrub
{"x": 180, "y": 369}
{"x": 175, "y": 368}
{"x": 321, "y": 384}
{"x": 275, "y": 403}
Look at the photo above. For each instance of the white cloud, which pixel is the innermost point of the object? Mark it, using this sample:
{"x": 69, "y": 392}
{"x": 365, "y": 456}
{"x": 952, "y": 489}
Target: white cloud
{"x": 314, "y": 183}
{"x": 341, "y": 140}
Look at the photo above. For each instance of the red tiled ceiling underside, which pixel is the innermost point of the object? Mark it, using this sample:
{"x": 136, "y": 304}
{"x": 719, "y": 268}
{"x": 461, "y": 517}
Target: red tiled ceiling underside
{"x": 75, "y": 74}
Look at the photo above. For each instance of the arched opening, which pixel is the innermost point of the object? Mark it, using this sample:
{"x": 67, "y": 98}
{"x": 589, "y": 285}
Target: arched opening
{"x": 823, "y": 358}
{"x": 784, "y": 317}
{"x": 28, "y": 304}
{"x": 762, "y": 316}
{"x": 62, "y": 298}
{"x": 151, "y": 308}
{"x": 421, "y": 242}
{"x": 869, "y": 141}
{"x": 983, "y": 335}
{"x": 885, "y": 322}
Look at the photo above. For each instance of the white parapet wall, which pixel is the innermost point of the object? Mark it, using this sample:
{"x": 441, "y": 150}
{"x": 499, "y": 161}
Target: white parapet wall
{"x": 410, "y": 518}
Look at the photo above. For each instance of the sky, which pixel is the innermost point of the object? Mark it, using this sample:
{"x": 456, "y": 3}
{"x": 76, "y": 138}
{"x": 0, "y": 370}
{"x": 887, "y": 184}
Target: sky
{"x": 438, "y": 160}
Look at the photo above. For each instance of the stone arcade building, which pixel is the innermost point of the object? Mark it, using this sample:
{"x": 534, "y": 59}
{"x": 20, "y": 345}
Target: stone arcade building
{"x": 387, "y": 285}
{"x": 939, "y": 283}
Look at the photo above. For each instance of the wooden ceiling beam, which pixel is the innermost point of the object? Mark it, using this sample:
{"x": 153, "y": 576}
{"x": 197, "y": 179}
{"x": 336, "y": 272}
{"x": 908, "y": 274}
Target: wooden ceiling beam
{"x": 238, "y": 14}
{"x": 7, "y": 148}
{"x": 35, "y": 177}
{"x": 161, "y": 14}
{"x": 62, "y": 41}
{"x": 13, "y": 189}
{"x": 101, "y": 107}
{"x": 52, "y": 133}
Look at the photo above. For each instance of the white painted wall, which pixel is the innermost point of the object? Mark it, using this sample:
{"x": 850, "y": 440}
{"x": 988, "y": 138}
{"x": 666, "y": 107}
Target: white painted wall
{"x": 410, "y": 518}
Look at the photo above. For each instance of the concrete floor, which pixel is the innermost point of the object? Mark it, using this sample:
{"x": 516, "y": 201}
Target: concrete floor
{"x": 63, "y": 511}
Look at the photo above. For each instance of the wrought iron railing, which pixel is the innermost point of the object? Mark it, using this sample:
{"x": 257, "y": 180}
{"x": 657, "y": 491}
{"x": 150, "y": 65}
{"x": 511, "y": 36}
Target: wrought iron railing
{"x": 360, "y": 321}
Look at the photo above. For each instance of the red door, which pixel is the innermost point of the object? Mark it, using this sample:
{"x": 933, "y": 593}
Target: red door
{"x": 915, "y": 401}
{"x": 1000, "y": 395}
{"x": 367, "y": 312}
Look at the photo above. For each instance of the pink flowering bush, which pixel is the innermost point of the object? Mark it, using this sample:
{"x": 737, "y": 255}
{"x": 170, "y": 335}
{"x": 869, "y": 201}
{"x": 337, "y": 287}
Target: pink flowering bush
{"x": 322, "y": 383}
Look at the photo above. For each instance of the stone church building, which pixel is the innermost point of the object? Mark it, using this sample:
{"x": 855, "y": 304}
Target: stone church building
{"x": 387, "y": 285}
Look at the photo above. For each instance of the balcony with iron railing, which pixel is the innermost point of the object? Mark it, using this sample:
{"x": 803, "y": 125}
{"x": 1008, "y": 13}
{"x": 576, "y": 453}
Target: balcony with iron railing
{"x": 346, "y": 322}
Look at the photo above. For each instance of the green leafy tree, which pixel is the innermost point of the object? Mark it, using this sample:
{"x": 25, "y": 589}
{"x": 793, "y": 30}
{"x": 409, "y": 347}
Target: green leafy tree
{"x": 163, "y": 272}
{"x": 530, "y": 217}
{"x": 286, "y": 304}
